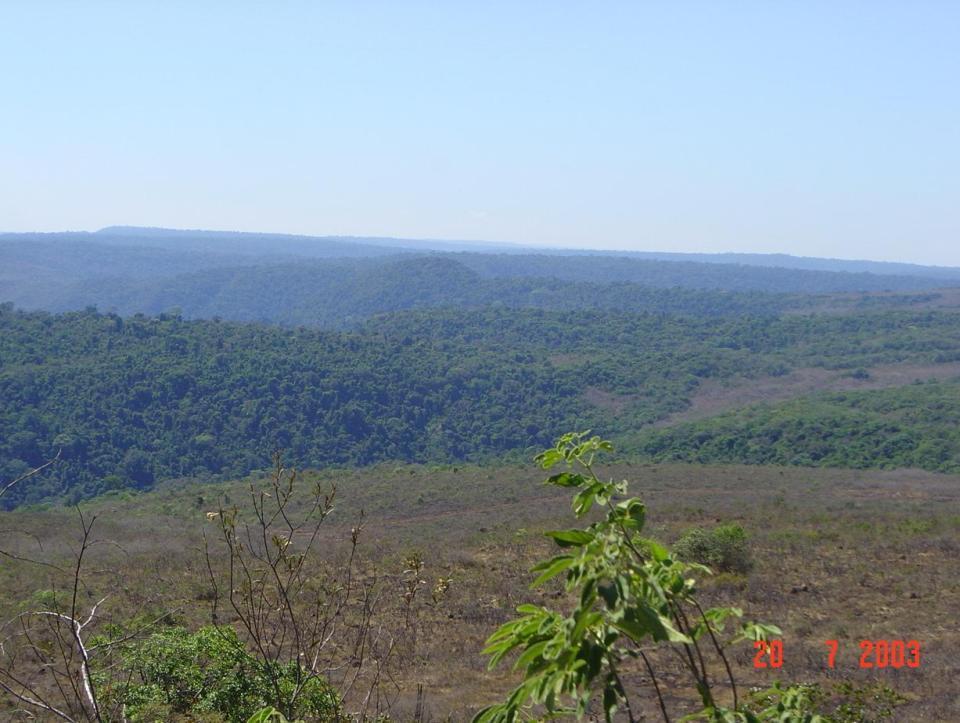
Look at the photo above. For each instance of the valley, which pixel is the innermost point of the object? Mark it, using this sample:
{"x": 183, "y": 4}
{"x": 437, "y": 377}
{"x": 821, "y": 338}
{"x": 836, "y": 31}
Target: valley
{"x": 479, "y": 363}
{"x": 818, "y": 416}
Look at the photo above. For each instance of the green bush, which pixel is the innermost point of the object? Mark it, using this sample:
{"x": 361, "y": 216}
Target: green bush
{"x": 724, "y": 548}
{"x": 206, "y": 675}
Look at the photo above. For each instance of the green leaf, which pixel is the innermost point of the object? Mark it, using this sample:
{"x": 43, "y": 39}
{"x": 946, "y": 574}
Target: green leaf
{"x": 528, "y": 609}
{"x": 657, "y": 551}
{"x": 566, "y": 479}
{"x": 548, "y": 458}
{"x": 640, "y": 621}
{"x": 496, "y": 714}
{"x": 268, "y": 715}
{"x": 563, "y": 656}
{"x": 532, "y": 652}
{"x": 757, "y": 631}
{"x": 570, "y": 538}
{"x": 551, "y": 568}
{"x": 584, "y": 499}
{"x": 635, "y": 511}
{"x": 585, "y": 619}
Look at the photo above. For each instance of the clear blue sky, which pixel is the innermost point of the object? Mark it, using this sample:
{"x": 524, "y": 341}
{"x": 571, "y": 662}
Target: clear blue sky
{"x": 816, "y": 128}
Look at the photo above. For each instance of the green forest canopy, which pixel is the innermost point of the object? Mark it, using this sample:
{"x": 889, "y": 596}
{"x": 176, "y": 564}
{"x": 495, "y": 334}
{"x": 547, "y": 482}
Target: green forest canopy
{"x": 133, "y": 400}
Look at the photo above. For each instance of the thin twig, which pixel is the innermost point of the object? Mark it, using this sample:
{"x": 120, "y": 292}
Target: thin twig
{"x": 31, "y": 473}
{"x": 719, "y": 649}
{"x": 656, "y": 686}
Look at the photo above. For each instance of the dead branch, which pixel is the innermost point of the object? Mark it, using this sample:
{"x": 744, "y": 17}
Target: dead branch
{"x": 27, "y": 475}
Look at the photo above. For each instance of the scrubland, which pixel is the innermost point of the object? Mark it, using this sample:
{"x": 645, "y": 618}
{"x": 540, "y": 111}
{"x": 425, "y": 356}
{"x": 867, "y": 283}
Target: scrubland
{"x": 848, "y": 555}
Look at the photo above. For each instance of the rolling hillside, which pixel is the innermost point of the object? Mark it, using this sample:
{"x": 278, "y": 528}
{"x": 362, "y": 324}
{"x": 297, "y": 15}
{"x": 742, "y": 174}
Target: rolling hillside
{"x": 337, "y": 283}
{"x": 138, "y": 399}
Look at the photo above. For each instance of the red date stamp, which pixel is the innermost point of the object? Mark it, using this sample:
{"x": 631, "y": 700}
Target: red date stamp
{"x": 873, "y": 653}
{"x": 769, "y": 654}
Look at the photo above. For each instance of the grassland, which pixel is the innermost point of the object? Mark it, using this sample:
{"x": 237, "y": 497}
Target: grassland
{"x": 838, "y": 554}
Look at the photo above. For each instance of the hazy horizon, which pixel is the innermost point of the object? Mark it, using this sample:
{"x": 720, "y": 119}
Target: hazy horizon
{"x": 812, "y": 130}
{"x": 362, "y": 239}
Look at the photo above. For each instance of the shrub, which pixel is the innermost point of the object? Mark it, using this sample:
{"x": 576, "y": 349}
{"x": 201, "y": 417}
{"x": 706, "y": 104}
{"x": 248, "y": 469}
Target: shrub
{"x": 302, "y": 639}
{"x": 724, "y": 548}
{"x": 178, "y": 673}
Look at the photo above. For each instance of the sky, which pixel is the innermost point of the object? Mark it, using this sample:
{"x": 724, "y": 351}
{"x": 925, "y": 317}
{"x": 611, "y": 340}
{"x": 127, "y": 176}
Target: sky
{"x": 810, "y": 128}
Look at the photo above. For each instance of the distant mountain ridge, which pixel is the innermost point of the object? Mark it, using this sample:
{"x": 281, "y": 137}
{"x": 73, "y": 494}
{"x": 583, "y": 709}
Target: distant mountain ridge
{"x": 384, "y": 243}
{"x": 809, "y": 263}
{"x": 284, "y": 244}
{"x": 307, "y": 245}
{"x": 337, "y": 282}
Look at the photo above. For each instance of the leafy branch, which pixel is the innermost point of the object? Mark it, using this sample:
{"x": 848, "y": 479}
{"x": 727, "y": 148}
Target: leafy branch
{"x": 632, "y": 598}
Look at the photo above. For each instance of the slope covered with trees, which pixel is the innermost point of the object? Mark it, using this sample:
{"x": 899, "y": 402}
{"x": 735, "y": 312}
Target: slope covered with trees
{"x": 341, "y": 294}
{"x": 913, "y": 426}
{"x": 133, "y": 400}
{"x": 682, "y": 272}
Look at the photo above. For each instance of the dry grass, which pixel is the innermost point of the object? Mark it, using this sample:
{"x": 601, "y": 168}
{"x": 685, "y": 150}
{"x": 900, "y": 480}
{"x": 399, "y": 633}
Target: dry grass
{"x": 839, "y": 554}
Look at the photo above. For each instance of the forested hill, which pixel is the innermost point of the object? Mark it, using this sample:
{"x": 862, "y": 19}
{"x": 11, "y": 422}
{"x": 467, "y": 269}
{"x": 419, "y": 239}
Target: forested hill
{"x": 337, "y": 283}
{"x": 679, "y": 271}
{"x": 339, "y": 293}
{"x": 950, "y": 274}
{"x": 60, "y": 271}
{"x": 133, "y": 400}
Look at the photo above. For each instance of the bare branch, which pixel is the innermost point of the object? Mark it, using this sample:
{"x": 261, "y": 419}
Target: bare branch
{"x": 31, "y": 473}
{"x": 35, "y": 702}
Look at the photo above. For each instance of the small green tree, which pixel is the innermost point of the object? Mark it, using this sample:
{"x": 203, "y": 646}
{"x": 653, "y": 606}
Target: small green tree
{"x": 631, "y": 597}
